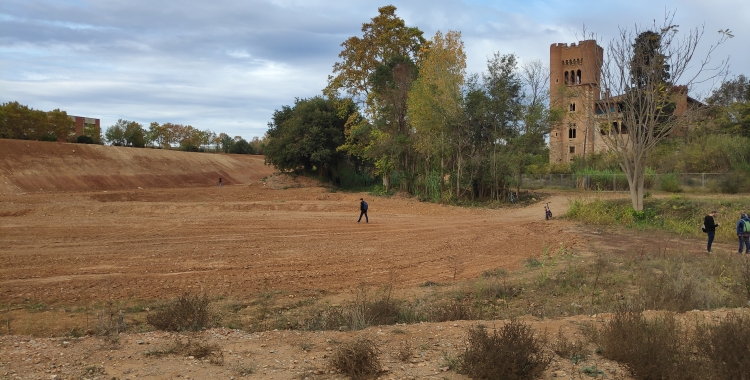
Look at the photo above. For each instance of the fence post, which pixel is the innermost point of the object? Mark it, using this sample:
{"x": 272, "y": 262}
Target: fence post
{"x": 703, "y": 180}
{"x": 560, "y": 180}
{"x": 614, "y": 182}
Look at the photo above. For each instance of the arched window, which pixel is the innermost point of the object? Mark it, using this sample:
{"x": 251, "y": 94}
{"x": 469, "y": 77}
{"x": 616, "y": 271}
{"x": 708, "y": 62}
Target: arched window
{"x": 578, "y": 77}
{"x": 566, "y": 78}
{"x": 571, "y": 132}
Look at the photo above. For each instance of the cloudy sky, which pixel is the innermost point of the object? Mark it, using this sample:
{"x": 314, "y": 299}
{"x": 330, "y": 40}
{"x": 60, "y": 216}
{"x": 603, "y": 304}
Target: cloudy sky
{"x": 226, "y": 65}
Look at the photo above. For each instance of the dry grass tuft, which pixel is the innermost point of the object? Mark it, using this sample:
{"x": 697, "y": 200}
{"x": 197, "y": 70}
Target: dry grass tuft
{"x": 513, "y": 352}
{"x": 186, "y": 313}
{"x": 726, "y": 346}
{"x": 357, "y": 359}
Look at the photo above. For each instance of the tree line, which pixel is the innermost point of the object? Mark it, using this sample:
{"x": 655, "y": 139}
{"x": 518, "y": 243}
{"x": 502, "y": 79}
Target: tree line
{"x": 403, "y": 108}
{"x": 18, "y": 121}
{"x": 185, "y": 137}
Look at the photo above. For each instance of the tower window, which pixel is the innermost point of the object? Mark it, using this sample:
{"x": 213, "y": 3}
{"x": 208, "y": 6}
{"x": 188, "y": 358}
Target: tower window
{"x": 572, "y": 149}
{"x": 578, "y": 77}
{"x": 571, "y": 133}
{"x": 566, "y": 78}
{"x": 572, "y": 107}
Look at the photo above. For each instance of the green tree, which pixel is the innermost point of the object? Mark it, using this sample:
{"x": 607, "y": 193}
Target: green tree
{"x": 241, "y": 146}
{"x": 731, "y": 106}
{"x": 307, "y": 136}
{"x": 435, "y": 101}
{"x": 384, "y": 38}
{"x": 384, "y": 57}
{"x": 60, "y": 125}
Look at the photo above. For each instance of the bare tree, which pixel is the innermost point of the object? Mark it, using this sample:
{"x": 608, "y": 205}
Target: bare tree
{"x": 640, "y": 104}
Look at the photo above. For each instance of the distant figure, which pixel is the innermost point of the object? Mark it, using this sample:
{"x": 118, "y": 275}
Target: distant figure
{"x": 547, "y": 212}
{"x": 363, "y": 211}
{"x": 743, "y": 232}
{"x": 709, "y": 226}
{"x": 219, "y": 182}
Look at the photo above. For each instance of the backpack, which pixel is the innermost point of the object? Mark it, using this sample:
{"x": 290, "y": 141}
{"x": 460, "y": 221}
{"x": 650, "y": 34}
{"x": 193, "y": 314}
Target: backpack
{"x": 745, "y": 226}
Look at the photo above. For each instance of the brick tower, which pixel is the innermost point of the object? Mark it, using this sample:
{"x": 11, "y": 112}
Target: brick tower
{"x": 575, "y": 70}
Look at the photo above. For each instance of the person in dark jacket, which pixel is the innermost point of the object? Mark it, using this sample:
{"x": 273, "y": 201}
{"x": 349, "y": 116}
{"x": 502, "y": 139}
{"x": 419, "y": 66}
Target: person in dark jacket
{"x": 363, "y": 211}
{"x": 710, "y": 225}
{"x": 742, "y": 234}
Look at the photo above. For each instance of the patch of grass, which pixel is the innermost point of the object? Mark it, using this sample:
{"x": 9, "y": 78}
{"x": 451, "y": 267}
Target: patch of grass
{"x": 357, "y": 359}
{"x": 513, "y": 352}
{"x": 186, "y": 313}
{"x": 244, "y": 370}
{"x": 110, "y": 324}
{"x": 677, "y": 214}
{"x": 592, "y": 371}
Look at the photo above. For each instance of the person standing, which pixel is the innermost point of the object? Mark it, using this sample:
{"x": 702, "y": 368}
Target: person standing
{"x": 220, "y": 182}
{"x": 710, "y": 225}
{"x": 743, "y": 233}
{"x": 363, "y": 211}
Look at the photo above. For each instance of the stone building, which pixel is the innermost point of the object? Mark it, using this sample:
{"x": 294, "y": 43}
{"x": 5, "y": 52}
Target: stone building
{"x": 575, "y": 70}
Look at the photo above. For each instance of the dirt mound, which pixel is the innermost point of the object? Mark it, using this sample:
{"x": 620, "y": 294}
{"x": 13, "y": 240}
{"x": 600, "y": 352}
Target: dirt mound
{"x": 33, "y": 166}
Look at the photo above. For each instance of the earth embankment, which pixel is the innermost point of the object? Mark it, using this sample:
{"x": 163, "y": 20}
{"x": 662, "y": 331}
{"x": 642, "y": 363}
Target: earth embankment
{"x": 34, "y": 166}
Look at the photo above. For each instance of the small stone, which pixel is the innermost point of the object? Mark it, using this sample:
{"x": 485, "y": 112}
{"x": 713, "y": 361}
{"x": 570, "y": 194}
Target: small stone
{"x": 139, "y": 341}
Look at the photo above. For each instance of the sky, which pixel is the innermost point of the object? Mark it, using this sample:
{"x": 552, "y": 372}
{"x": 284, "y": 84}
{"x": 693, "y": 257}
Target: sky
{"x": 226, "y": 65}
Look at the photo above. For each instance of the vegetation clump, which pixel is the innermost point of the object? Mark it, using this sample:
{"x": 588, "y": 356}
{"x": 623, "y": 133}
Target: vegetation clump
{"x": 513, "y": 352}
{"x": 357, "y": 359}
{"x": 186, "y": 313}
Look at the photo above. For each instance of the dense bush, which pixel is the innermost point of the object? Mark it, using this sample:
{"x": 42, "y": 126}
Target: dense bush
{"x": 83, "y": 139}
{"x": 670, "y": 183}
{"x": 357, "y": 359}
{"x": 513, "y": 352}
{"x": 649, "y": 349}
{"x": 186, "y": 313}
{"x": 726, "y": 346}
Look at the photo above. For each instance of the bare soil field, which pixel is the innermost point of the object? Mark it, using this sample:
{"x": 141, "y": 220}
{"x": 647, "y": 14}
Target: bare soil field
{"x": 113, "y": 227}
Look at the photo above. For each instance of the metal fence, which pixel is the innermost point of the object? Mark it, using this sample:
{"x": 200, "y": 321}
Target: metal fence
{"x": 618, "y": 182}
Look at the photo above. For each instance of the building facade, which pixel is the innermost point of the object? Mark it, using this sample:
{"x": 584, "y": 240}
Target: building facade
{"x": 87, "y": 126}
{"x": 575, "y": 70}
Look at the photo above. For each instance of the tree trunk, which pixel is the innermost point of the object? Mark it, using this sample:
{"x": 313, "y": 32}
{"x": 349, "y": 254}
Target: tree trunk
{"x": 636, "y": 183}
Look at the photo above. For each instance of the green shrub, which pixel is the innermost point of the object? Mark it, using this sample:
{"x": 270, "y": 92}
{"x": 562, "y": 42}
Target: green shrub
{"x": 514, "y": 352}
{"x": 186, "y": 313}
{"x": 733, "y": 183}
{"x": 83, "y": 139}
{"x": 670, "y": 183}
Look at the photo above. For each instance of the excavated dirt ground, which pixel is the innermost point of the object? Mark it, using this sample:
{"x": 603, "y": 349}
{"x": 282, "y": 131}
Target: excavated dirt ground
{"x": 86, "y": 248}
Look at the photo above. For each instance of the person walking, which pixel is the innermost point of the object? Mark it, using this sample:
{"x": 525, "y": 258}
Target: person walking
{"x": 743, "y": 232}
{"x": 710, "y": 226}
{"x": 220, "y": 182}
{"x": 363, "y": 211}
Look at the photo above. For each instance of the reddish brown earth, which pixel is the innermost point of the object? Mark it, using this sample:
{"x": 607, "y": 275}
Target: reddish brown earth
{"x": 81, "y": 226}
